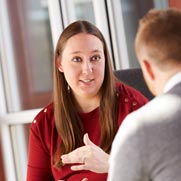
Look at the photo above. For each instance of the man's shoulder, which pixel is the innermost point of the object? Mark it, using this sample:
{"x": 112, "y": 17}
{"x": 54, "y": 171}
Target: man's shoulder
{"x": 176, "y": 90}
{"x": 160, "y": 110}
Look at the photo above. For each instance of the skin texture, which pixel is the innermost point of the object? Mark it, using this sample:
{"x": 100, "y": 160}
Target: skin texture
{"x": 154, "y": 77}
{"x": 83, "y": 65}
{"x": 89, "y": 156}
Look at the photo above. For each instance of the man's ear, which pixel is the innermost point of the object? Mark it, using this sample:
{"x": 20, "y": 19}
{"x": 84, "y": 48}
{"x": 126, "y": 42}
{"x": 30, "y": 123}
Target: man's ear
{"x": 59, "y": 65}
{"x": 149, "y": 69}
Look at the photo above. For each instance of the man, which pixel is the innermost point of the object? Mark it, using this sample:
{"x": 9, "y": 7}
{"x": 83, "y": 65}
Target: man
{"x": 147, "y": 146}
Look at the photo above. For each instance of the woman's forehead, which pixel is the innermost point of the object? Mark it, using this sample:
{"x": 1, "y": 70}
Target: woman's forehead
{"x": 82, "y": 41}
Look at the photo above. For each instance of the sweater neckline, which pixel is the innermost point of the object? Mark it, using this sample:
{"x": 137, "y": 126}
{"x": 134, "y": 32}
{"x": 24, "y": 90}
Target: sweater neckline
{"x": 92, "y": 113}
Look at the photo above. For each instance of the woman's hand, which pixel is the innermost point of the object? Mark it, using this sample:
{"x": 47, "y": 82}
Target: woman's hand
{"x": 90, "y": 157}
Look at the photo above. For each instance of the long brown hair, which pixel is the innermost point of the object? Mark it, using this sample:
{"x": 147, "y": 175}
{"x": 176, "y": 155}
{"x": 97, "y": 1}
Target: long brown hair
{"x": 67, "y": 122}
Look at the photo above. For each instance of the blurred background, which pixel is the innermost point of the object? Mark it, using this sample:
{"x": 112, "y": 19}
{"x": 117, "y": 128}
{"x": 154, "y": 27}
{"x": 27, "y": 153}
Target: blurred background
{"x": 29, "y": 30}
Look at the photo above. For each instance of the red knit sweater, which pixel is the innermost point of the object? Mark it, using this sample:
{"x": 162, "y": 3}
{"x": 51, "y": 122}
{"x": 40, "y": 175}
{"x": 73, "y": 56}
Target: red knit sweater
{"x": 44, "y": 139}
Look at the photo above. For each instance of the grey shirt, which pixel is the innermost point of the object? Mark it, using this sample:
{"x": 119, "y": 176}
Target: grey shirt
{"x": 147, "y": 146}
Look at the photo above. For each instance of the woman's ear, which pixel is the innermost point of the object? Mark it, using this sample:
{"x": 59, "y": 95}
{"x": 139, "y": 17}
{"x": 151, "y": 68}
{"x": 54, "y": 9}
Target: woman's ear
{"x": 59, "y": 65}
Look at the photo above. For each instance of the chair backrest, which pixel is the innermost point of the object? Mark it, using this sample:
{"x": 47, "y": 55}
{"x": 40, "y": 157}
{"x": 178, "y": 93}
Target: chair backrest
{"x": 134, "y": 78}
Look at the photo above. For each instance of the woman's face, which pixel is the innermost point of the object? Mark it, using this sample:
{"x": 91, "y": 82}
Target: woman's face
{"x": 83, "y": 64}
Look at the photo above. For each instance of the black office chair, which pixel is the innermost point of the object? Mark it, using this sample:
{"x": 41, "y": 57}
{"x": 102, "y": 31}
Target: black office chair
{"x": 134, "y": 77}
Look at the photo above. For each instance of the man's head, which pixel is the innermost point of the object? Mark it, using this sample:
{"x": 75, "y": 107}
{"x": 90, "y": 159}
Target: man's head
{"x": 158, "y": 46}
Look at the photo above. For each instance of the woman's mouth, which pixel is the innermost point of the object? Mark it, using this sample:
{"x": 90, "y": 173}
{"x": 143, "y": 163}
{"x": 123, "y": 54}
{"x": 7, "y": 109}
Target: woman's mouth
{"x": 87, "y": 80}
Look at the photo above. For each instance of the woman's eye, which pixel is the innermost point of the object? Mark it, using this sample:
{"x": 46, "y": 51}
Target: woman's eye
{"x": 96, "y": 58}
{"x": 76, "y": 59}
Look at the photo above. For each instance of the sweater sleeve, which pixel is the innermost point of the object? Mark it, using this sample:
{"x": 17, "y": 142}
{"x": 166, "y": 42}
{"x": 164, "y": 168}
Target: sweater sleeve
{"x": 39, "y": 162}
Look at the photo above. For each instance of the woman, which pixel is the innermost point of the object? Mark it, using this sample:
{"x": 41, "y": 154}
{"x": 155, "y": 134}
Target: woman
{"x": 87, "y": 99}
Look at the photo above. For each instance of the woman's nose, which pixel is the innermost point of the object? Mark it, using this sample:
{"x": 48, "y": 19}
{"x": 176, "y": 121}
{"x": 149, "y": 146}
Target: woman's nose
{"x": 87, "y": 67}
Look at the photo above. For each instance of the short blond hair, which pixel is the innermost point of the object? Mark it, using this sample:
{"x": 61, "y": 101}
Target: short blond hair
{"x": 159, "y": 33}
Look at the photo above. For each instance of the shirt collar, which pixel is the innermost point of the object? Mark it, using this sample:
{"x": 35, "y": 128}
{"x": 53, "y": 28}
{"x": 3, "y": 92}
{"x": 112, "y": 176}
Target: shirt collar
{"x": 172, "y": 82}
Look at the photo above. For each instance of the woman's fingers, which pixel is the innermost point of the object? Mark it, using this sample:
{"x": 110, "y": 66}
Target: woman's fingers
{"x": 88, "y": 157}
{"x": 87, "y": 141}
